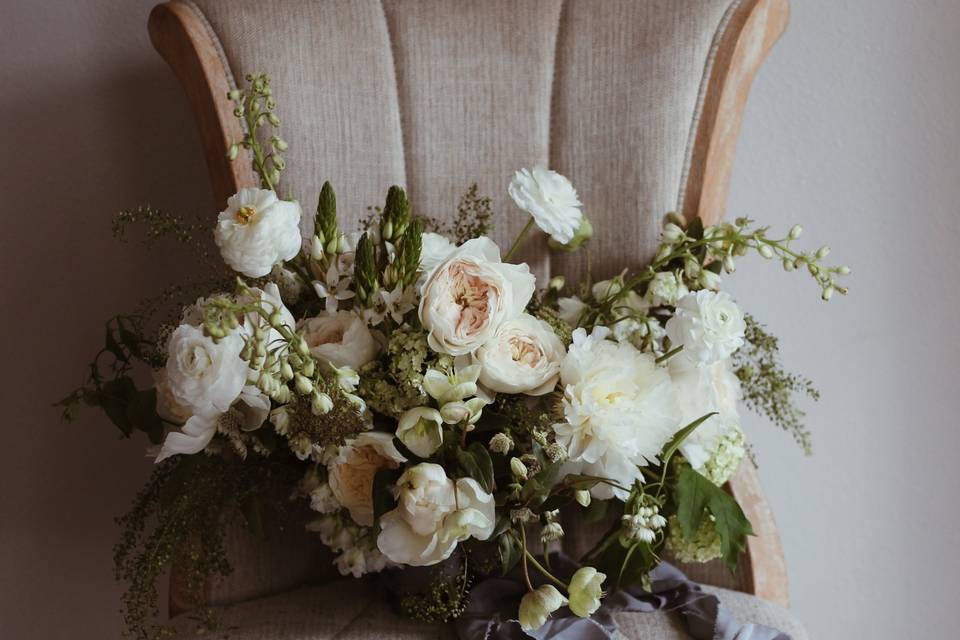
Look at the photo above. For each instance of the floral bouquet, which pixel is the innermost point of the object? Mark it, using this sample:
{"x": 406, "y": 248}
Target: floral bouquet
{"x": 432, "y": 402}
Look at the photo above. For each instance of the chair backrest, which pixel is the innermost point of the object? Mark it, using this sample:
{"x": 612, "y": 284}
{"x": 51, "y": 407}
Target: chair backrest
{"x": 637, "y": 102}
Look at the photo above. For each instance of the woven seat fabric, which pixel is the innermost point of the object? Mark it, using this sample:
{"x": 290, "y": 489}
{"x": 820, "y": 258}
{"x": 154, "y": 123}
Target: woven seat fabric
{"x": 351, "y": 609}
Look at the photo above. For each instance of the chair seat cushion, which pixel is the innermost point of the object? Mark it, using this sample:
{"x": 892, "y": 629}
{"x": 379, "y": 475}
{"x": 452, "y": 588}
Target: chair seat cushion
{"x": 358, "y": 610}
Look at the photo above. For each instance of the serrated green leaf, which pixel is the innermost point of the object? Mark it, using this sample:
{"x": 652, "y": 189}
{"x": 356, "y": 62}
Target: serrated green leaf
{"x": 696, "y": 496}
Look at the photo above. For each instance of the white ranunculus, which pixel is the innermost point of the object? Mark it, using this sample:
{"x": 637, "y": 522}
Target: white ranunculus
{"x": 341, "y": 338}
{"x": 351, "y": 473}
{"x": 466, "y": 297}
{"x": 257, "y": 230}
{"x": 619, "y": 408}
{"x": 666, "y": 288}
{"x": 523, "y": 356}
{"x": 708, "y": 325}
{"x": 701, "y": 390}
{"x": 204, "y": 376}
{"x": 433, "y": 515}
{"x": 421, "y": 430}
{"x": 434, "y": 250}
{"x": 550, "y": 199}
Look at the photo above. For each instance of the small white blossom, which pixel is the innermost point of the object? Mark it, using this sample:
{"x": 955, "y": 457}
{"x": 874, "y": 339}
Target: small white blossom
{"x": 550, "y": 199}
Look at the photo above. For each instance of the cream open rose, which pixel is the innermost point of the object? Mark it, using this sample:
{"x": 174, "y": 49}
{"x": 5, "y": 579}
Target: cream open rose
{"x": 523, "y": 356}
{"x": 468, "y": 295}
{"x": 351, "y": 473}
{"x": 341, "y": 338}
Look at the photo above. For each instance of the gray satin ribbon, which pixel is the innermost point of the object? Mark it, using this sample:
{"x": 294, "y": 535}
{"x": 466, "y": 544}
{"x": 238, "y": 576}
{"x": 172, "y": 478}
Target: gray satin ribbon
{"x": 490, "y": 614}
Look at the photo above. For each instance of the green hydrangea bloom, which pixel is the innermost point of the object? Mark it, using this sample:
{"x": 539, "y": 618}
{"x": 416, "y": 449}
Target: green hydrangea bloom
{"x": 731, "y": 450}
{"x": 703, "y": 547}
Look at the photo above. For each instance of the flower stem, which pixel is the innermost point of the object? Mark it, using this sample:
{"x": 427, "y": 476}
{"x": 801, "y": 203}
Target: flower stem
{"x": 520, "y": 237}
{"x": 523, "y": 543}
{"x": 528, "y": 557}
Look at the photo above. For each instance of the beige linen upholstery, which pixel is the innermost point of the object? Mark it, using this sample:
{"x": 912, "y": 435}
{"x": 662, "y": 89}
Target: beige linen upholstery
{"x": 435, "y": 95}
{"x": 358, "y": 610}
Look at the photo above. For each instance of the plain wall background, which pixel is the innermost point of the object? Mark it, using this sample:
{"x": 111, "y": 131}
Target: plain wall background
{"x": 851, "y": 128}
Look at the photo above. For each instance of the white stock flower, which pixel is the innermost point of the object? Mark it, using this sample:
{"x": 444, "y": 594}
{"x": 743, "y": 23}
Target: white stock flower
{"x": 523, "y": 356}
{"x": 619, "y": 408}
{"x": 433, "y": 515}
{"x": 434, "y": 250}
{"x": 257, "y": 230}
{"x": 537, "y": 605}
{"x": 204, "y": 376}
{"x": 466, "y": 297}
{"x": 341, "y": 338}
{"x": 666, "y": 288}
{"x": 708, "y": 325}
{"x": 550, "y": 199}
{"x": 701, "y": 390}
{"x": 421, "y": 430}
{"x": 351, "y": 473}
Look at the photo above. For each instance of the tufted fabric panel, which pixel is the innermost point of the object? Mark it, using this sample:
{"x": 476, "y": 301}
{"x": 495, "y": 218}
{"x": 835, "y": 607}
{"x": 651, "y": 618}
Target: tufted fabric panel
{"x": 358, "y": 610}
{"x": 435, "y": 95}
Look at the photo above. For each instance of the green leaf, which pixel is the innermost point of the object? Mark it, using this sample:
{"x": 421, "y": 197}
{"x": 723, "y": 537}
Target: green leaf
{"x": 510, "y": 553}
{"x": 679, "y": 437}
{"x": 695, "y": 496}
{"x": 581, "y": 481}
{"x": 476, "y": 463}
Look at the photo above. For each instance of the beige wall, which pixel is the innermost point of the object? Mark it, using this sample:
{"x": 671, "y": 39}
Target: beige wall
{"x": 851, "y": 129}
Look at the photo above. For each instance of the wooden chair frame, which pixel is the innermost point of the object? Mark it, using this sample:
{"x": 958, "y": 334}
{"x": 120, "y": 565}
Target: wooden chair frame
{"x": 183, "y": 39}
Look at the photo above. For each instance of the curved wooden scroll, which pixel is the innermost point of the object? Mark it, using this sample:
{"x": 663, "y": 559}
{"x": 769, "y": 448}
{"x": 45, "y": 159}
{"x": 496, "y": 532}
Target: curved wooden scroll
{"x": 183, "y": 38}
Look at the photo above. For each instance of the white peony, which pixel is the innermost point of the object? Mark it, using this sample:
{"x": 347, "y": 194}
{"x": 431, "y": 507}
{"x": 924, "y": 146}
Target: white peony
{"x": 619, "y": 408}
{"x": 550, "y": 199}
{"x": 341, "y": 338}
{"x": 708, "y": 325}
{"x": 701, "y": 390}
{"x": 435, "y": 249}
{"x": 351, "y": 473}
{"x": 257, "y": 230}
{"x": 204, "y": 376}
{"x": 523, "y": 356}
{"x": 466, "y": 297}
{"x": 433, "y": 515}
{"x": 421, "y": 430}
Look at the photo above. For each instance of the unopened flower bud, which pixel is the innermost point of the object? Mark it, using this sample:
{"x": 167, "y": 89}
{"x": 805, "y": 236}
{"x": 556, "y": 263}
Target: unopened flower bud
{"x": 789, "y": 265}
{"x": 765, "y": 251}
{"x": 286, "y": 371}
{"x": 501, "y": 443}
{"x": 556, "y": 283}
{"x": 823, "y": 252}
{"x": 844, "y": 270}
{"x": 582, "y": 496}
{"x": 302, "y": 384}
{"x": 672, "y": 233}
{"x": 729, "y": 265}
{"x": 795, "y": 231}
{"x": 518, "y": 468}
{"x": 320, "y": 403}
{"x": 308, "y": 367}
{"x": 233, "y": 152}
{"x": 828, "y": 293}
{"x": 233, "y": 95}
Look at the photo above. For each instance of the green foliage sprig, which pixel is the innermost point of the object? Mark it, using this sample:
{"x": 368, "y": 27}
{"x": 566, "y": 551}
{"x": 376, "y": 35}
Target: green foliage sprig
{"x": 768, "y": 389}
{"x": 255, "y": 107}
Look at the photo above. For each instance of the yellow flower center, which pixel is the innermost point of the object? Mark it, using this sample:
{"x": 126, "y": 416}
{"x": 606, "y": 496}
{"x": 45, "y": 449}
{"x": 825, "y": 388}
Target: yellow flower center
{"x": 245, "y": 214}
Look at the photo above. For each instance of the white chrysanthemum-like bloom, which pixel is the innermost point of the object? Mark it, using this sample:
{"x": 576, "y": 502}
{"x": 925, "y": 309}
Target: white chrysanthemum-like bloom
{"x": 466, "y": 297}
{"x": 701, "y": 390}
{"x": 433, "y": 515}
{"x": 619, "y": 408}
{"x": 550, "y": 199}
{"x": 537, "y": 605}
{"x": 205, "y": 376}
{"x": 341, "y": 338}
{"x": 435, "y": 248}
{"x": 420, "y": 429}
{"x": 709, "y": 325}
{"x": 257, "y": 230}
{"x": 523, "y": 356}
{"x": 351, "y": 473}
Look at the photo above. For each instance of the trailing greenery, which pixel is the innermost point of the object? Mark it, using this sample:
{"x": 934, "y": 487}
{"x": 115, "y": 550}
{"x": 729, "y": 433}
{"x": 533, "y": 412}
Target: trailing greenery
{"x": 768, "y": 389}
{"x": 181, "y": 516}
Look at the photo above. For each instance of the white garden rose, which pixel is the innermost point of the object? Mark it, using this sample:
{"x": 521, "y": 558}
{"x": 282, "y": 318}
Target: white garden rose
{"x": 421, "y": 430}
{"x": 257, "y": 230}
{"x": 435, "y": 248}
{"x": 619, "y": 408}
{"x": 204, "y": 376}
{"x": 351, "y": 473}
{"x": 550, "y": 199}
{"x": 523, "y": 356}
{"x": 433, "y": 515}
{"x": 466, "y": 297}
{"x": 341, "y": 338}
{"x": 701, "y": 390}
{"x": 709, "y": 326}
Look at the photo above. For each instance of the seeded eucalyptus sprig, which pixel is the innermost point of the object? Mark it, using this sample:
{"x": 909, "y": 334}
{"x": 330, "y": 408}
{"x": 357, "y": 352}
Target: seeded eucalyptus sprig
{"x": 255, "y": 107}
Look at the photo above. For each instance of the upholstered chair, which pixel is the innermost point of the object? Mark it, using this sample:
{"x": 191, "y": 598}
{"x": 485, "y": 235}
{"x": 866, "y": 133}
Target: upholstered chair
{"x": 638, "y": 102}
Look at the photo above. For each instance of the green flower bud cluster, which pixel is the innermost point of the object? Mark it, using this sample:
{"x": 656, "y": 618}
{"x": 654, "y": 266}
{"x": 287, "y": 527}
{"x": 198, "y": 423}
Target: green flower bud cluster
{"x": 726, "y": 458}
{"x": 328, "y": 241}
{"x": 703, "y": 547}
{"x": 255, "y": 106}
